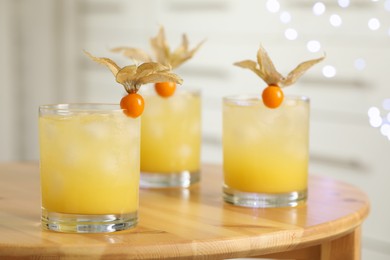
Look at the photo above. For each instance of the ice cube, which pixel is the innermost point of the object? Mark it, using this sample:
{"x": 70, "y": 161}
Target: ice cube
{"x": 179, "y": 103}
{"x": 72, "y": 154}
{"x": 249, "y": 134}
{"x": 185, "y": 150}
{"x": 97, "y": 129}
{"x": 110, "y": 163}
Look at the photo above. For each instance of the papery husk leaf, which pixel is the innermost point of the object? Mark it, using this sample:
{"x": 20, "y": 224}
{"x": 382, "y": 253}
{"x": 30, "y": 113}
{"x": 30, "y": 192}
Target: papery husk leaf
{"x": 160, "y": 77}
{"x": 152, "y": 67}
{"x": 133, "y": 76}
{"x": 133, "y": 53}
{"x": 184, "y": 42}
{"x": 178, "y": 56}
{"x": 162, "y": 51}
{"x": 267, "y": 69}
{"x": 164, "y": 55}
{"x": 114, "y": 68}
{"x": 249, "y": 64}
{"x": 182, "y": 48}
{"x": 197, "y": 47}
{"x": 296, "y": 73}
{"x": 160, "y": 47}
{"x": 124, "y": 74}
{"x": 177, "y": 59}
{"x": 182, "y": 54}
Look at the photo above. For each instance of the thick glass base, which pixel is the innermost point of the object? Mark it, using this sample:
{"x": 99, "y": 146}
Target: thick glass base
{"x": 165, "y": 180}
{"x": 75, "y": 223}
{"x": 264, "y": 200}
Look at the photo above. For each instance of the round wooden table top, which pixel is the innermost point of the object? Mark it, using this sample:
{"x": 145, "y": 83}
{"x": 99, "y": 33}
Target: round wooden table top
{"x": 180, "y": 223}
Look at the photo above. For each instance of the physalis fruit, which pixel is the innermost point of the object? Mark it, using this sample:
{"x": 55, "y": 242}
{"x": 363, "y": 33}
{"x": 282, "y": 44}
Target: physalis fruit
{"x": 273, "y": 95}
{"x": 132, "y": 77}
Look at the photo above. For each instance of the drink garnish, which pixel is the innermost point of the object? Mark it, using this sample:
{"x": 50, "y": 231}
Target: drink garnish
{"x": 133, "y": 76}
{"x": 273, "y": 95}
{"x": 164, "y": 55}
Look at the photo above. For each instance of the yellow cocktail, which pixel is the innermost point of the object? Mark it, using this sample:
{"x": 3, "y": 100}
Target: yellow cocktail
{"x": 89, "y": 163}
{"x": 170, "y": 139}
{"x": 265, "y": 151}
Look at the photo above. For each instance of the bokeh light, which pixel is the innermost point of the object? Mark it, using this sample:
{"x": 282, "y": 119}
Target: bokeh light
{"x": 313, "y": 46}
{"x": 376, "y": 120}
{"x": 291, "y": 34}
{"x": 387, "y": 5}
{"x": 374, "y": 24}
{"x": 319, "y": 8}
{"x": 374, "y": 112}
{"x": 386, "y": 104}
{"x": 273, "y": 6}
{"x": 360, "y": 64}
{"x": 343, "y": 3}
{"x": 385, "y": 129}
{"x": 285, "y": 17}
{"x": 329, "y": 71}
{"x": 374, "y": 116}
{"x": 335, "y": 20}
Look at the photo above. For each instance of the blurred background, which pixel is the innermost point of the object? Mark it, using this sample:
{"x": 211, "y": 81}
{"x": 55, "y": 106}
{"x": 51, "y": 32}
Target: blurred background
{"x": 42, "y": 61}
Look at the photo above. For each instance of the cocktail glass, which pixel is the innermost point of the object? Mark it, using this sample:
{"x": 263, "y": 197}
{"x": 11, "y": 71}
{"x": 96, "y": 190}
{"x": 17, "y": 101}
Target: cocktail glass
{"x": 170, "y": 139}
{"x": 265, "y": 151}
{"x": 89, "y": 164}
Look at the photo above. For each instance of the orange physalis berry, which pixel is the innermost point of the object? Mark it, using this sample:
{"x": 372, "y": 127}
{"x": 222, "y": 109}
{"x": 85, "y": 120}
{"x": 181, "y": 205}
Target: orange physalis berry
{"x": 133, "y": 105}
{"x": 165, "y": 89}
{"x": 272, "y": 96}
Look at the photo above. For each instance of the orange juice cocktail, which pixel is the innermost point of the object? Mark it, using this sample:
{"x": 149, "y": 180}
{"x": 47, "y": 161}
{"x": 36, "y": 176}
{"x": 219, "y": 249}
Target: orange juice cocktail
{"x": 89, "y": 163}
{"x": 265, "y": 151}
{"x": 170, "y": 139}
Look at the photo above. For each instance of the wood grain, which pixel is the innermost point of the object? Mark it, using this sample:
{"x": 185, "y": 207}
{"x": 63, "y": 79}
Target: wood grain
{"x": 191, "y": 223}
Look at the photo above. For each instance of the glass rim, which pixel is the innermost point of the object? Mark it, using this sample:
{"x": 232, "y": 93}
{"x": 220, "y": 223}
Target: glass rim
{"x": 81, "y": 107}
{"x": 197, "y": 91}
{"x": 248, "y": 99}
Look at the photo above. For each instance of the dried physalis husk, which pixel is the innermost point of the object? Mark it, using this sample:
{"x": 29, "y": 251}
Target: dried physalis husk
{"x": 266, "y": 70}
{"x": 135, "y": 54}
{"x": 160, "y": 47}
{"x": 133, "y": 76}
{"x": 114, "y": 68}
{"x": 272, "y": 95}
{"x": 162, "y": 51}
{"x": 174, "y": 58}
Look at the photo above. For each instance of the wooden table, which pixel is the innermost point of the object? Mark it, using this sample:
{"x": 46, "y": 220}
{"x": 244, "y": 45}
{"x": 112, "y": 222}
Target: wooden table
{"x": 190, "y": 223}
